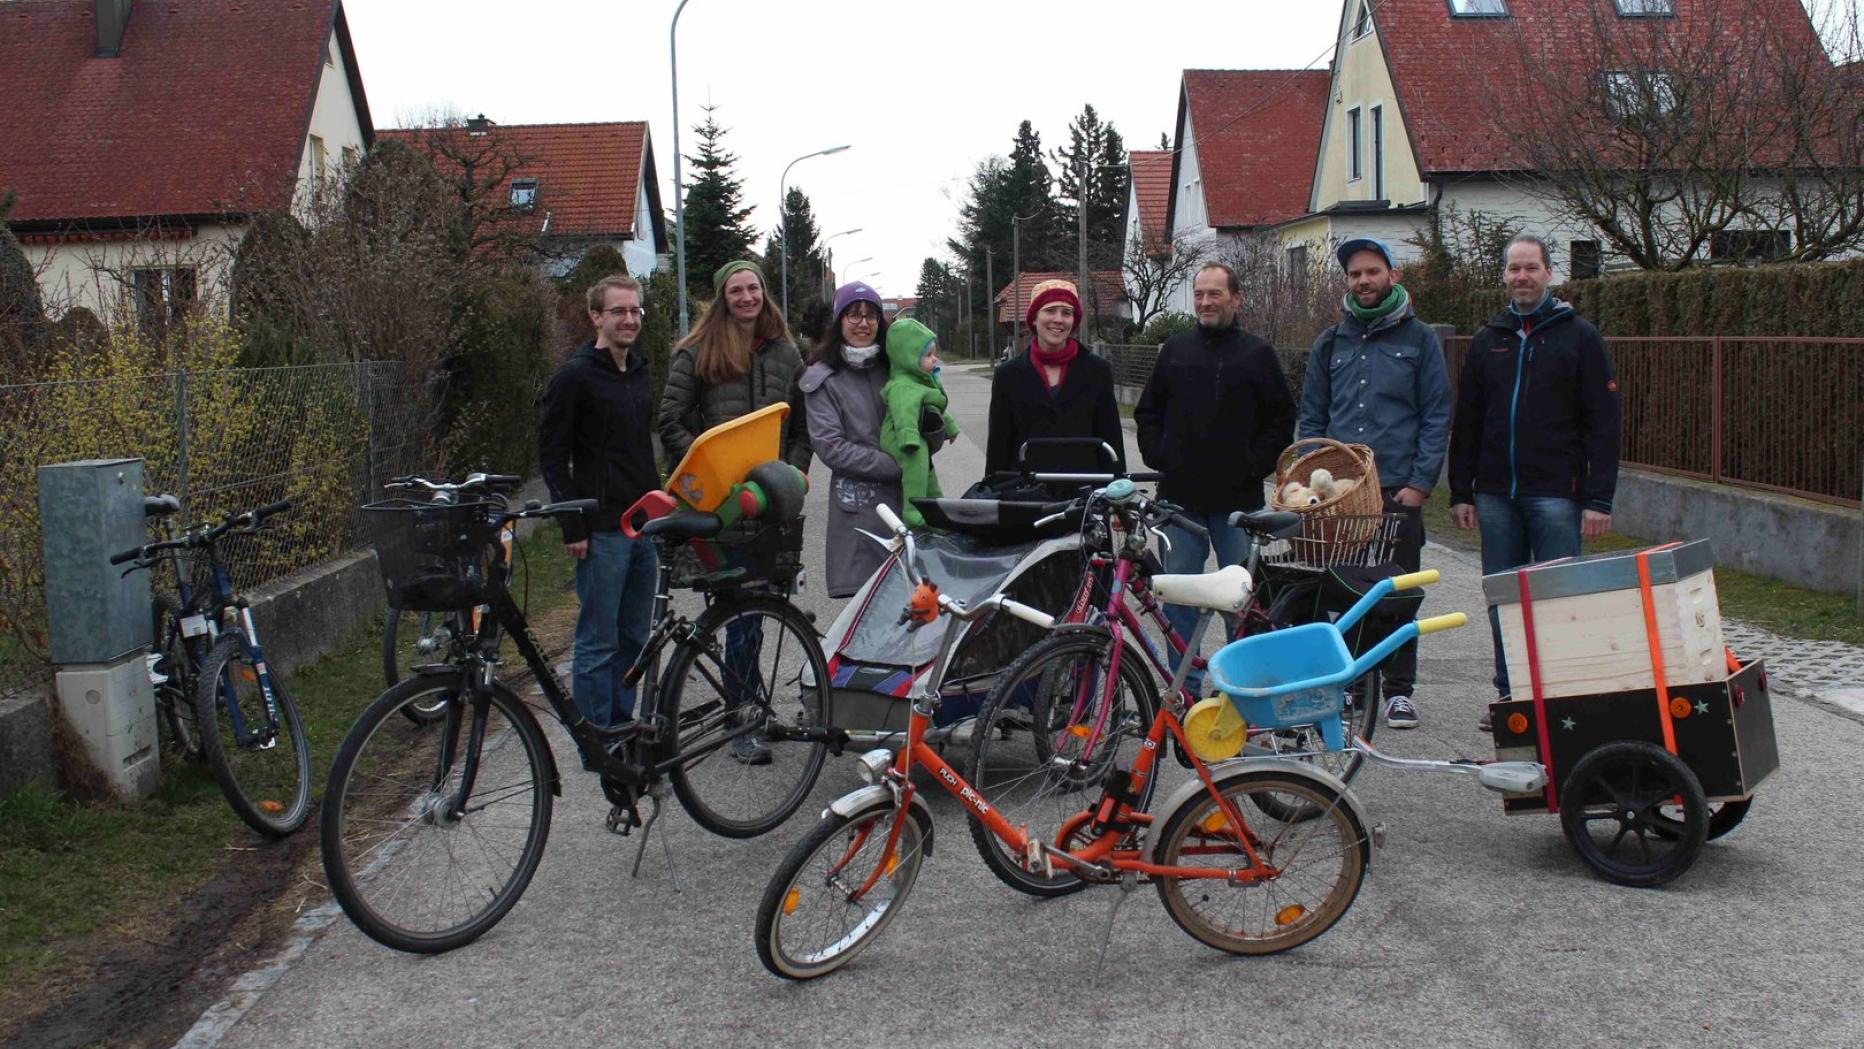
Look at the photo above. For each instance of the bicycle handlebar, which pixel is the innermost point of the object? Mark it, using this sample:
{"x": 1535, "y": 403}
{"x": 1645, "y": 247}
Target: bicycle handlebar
{"x": 248, "y": 521}
{"x": 474, "y": 481}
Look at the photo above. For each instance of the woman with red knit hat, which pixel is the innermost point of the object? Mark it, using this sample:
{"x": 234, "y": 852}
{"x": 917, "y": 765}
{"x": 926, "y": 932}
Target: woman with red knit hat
{"x": 1055, "y": 389}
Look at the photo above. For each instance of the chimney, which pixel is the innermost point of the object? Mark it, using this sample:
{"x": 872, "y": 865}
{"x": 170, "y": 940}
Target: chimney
{"x": 112, "y": 19}
{"x": 478, "y": 125}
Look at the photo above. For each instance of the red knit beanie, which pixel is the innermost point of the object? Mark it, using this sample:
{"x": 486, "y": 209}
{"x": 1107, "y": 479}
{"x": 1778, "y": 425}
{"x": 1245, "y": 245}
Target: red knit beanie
{"x": 1054, "y": 291}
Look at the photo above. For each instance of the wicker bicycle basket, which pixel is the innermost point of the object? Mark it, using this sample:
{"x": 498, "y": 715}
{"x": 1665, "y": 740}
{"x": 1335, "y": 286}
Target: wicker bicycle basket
{"x": 435, "y": 557}
{"x": 1341, "y": 521}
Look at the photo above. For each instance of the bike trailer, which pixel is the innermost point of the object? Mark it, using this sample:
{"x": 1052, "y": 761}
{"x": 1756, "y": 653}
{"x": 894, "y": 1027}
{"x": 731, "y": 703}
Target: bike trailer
{"x": 974, "y": 549}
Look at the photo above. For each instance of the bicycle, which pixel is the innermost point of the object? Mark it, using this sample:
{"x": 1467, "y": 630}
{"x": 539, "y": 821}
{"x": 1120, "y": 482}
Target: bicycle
{"x": 243, "y": 718}
{"x": 433, "y": 631}
{"x": 430, "y": 838}
{"x": 1261, "y": 885}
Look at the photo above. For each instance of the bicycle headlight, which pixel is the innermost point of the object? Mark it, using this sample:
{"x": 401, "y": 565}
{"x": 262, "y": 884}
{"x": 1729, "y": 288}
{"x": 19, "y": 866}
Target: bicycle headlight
{"x": 874, "y": 764}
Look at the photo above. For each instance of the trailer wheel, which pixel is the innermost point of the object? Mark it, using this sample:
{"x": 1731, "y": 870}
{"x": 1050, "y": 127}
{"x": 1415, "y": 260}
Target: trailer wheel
{"x": 1635, "y": 813}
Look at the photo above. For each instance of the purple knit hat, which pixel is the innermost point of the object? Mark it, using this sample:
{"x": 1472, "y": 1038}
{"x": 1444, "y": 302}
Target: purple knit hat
{"x": 849, "y": 294}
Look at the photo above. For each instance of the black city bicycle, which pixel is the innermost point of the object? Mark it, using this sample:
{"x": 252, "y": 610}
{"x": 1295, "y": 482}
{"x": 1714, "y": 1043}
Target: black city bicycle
{"x": 209, "y": 660}
{"x": 430, "y": 837}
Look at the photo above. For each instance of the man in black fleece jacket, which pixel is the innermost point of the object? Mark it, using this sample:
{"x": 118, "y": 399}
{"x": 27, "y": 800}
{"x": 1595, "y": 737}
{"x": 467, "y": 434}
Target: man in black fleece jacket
{"x": 1213, "y": 418}
{"x": 1534, "y": 449}
{"x": 595, "y": 443}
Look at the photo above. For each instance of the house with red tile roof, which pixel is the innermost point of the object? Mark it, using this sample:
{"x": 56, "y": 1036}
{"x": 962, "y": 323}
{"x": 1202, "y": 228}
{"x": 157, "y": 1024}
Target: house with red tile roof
{"x": 571, "y": 185}
{"x": 1148, "y": 198}
{"x": 1243, "y": 163}
{"x": 139, "y": 139}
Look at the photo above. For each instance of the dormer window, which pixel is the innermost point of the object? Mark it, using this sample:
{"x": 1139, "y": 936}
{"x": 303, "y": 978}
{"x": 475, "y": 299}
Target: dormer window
{"x": 1481, "y": 8}
{"x": 523, "y": 194}
{"x": 1639, "y": 95}
{"x": 1645, "y": 8}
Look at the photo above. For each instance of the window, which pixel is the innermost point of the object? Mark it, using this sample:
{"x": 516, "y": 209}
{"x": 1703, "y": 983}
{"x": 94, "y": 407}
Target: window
{"x": 1378, "y": 152}
{"x": 318, "y": 158}
{"x": 1639, "y": 94}
{"x": 161, "y": 296}
{"x": 1583, "y": 259}
{"x": 523, "y": 193}
{"x": 1363, "y": 23}
{"x": 1297, "y": 264}
{"x": 351, "y": 157}
{"x": 1479, "y": 8}
{"x": 1646, "y": 8}
{"x": 1352, "y": 145}
{"x": 1749, "y": 245}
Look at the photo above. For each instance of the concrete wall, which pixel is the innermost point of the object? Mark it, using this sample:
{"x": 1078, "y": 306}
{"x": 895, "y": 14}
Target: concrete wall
{"x": 1798, "y": 541}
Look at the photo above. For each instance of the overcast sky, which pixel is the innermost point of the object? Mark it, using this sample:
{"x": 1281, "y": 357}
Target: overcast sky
{"x": 902, "y": 83}
{"x": 899, "y": 82}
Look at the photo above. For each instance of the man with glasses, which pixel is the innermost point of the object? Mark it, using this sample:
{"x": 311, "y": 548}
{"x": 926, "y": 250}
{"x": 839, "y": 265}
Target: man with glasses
{"x": 596, "y": 443}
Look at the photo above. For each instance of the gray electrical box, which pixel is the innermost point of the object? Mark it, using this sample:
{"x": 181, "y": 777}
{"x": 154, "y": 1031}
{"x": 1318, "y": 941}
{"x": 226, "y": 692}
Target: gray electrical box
{"x": 89, "y": 510}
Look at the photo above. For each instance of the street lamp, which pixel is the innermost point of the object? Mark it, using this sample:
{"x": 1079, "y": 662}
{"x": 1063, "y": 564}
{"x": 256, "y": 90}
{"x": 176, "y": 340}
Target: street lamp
{"x": 857, "y": 262}
{"x": 828, "y": 273}
{"x": 679, "y": 191}
{"x": 1016, "y": 273}
{"x": 783, "y": 226}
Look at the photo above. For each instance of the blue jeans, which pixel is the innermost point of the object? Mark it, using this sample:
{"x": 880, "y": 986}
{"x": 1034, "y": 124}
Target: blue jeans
{"x": 615, "y": 584}
{"x": 1520, "y": 531}
{"x": 1188, "y": 555}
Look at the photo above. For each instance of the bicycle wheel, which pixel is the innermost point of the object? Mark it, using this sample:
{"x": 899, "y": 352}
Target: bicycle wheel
{"x": 263, "y": 765}
{"x": 410, "y": 639}
{"x": 415, "y": 866}
{"x": 1030, "y": 753}
{"x": 752, "y": 666}
{"x": 1635, "y": 813}
{"x": 175, "y": 663}
{"x": 1360, "y": 716}
{"x": 809, "y": 924}
{"x": 1318, "y": 864}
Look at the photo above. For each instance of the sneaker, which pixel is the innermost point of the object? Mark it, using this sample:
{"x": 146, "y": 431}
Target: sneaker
{"x": 749, "y": 750}
{"x": 1400, "y": 712}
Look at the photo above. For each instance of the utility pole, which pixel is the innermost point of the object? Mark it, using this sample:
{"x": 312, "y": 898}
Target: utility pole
{"x": 679, "y": 190}
{"x": 970, "y": 319}
{"x": 1016, "y": 282}
{"x": 1081, "y": 214}
{"x": 990, "y": 307}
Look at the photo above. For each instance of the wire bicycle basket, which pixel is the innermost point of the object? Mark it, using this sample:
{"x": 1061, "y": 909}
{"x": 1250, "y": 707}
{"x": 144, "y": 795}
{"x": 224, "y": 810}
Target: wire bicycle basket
{"x": 1355, "y": 540}
{"x": 435, "y": 557}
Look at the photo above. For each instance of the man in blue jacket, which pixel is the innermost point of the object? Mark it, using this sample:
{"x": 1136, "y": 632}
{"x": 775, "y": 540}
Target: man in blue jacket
{"x": 1534, "y": 451}
{"x": 1377, "y": 378}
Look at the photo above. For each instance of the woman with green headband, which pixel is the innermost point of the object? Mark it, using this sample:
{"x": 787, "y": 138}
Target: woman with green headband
{"x": 739, "y": 357}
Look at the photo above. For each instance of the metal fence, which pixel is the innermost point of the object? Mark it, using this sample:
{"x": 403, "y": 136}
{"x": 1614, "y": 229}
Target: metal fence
{"x": 325, "y": 436}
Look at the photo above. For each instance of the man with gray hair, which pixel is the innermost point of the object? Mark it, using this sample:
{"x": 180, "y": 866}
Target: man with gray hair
{"x": 1534, "y": 449}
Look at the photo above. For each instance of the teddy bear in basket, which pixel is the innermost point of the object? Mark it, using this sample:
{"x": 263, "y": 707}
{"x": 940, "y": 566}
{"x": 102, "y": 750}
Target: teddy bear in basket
{"x": 1321, "y": 487}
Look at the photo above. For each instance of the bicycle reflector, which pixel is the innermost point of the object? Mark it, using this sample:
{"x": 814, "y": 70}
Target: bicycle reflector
{"x": 1214, "y": 729}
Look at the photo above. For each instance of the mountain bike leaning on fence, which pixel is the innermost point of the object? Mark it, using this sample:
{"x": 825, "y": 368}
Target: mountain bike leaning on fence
{"x": 411, "y": 637}
{"x": 430, "y": 837}
{"x": 240, "y": 715}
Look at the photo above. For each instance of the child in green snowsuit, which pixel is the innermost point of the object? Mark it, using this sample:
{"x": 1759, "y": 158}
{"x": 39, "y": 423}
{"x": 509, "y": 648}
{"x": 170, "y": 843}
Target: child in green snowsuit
{"x": 916, "y": 423}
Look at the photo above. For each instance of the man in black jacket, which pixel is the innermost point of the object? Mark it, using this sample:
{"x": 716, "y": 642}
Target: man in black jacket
{"x": 1213, "y": 417}
{"x": 1534, "y": 449}
{"x": 595, "y": 444}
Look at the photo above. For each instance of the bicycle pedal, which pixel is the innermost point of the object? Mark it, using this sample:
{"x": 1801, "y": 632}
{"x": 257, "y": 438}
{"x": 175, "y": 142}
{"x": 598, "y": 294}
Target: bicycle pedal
{"x": 623, "y": 819}
{"x": 1035, "y": 857}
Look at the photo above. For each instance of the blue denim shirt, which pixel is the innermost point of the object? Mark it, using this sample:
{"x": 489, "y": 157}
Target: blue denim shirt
{"x": 1386, "y": 387}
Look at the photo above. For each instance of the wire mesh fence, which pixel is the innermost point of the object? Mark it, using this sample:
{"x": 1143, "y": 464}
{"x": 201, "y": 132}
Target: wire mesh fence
{"x": 325, "y": 436}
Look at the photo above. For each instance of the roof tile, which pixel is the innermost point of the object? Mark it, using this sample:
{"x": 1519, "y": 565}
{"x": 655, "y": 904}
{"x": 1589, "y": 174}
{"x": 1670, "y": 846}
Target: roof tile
{"x": 1257, "y": 133}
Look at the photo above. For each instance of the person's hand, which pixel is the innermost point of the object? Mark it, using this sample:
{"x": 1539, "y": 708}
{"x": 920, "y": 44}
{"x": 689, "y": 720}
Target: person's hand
{"x": 577, "y": 550}
{"x": 1463, "y": 515}
{"x": 1593, "y": 524}
{"x": 1411, "y": 497}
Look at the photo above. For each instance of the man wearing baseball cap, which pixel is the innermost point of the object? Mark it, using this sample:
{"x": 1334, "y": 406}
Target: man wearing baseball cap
{"x": 1377, "y": 378}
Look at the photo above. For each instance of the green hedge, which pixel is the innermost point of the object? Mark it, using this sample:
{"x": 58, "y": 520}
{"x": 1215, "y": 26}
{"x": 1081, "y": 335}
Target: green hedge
{"x": 1819, "y": 299}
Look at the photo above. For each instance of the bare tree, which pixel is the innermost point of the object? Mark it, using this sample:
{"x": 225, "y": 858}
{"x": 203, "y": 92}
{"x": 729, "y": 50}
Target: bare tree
{"x": 1154, "y": 269}
{"x": 1286, "y": 299}
{"x": 1725, "y": 131}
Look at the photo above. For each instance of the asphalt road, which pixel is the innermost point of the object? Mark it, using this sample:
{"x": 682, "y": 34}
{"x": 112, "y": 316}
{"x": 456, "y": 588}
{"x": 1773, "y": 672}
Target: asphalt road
{"x": 1472, "y": 929}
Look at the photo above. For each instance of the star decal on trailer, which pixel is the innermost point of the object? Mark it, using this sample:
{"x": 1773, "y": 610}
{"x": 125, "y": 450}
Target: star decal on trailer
{"x": 1702, "y": 706}
{"x": 1567, "y": 724}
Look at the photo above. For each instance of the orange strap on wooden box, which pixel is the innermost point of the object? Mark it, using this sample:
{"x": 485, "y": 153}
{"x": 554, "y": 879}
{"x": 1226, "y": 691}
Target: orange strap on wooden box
{"x": 1656, "y": 645}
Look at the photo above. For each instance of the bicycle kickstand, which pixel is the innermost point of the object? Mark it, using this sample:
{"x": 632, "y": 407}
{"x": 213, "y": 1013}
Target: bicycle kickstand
{"x": 657, "y": 795}
{"x": 1129, "y": 880}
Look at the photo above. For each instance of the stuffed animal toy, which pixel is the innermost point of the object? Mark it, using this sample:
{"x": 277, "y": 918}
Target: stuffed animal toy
{"x": 1294, "y": 493}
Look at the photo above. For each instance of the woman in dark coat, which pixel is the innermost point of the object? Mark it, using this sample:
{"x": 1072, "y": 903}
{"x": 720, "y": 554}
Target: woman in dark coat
{"x": 1053, "y": 390}
{"x": 841, "y": 390}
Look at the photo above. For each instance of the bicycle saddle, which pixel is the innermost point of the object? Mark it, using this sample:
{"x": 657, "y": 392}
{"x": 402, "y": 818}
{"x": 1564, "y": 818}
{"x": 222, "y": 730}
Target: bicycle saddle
{"x": 1275, "y": 524}
{"x": 160, "y": 505}
{"x": 685, "y": 524}
{"x": 1225, "y": 590}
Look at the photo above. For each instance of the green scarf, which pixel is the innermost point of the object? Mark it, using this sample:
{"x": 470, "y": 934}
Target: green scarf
{"x": 1392, "y": 304}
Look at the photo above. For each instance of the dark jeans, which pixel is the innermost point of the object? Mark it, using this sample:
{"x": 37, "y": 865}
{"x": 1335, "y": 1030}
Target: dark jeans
{"x": 1399, "y": 671}
{"x": 1524, "y": 530}
{"x": 615, "y": 584}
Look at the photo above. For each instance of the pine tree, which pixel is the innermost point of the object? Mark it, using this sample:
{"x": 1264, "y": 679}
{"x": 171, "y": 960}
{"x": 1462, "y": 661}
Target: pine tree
{"x": 1097, "y": 146}
{"x": 716, "y": 231}
{"x": 797, "y": 226}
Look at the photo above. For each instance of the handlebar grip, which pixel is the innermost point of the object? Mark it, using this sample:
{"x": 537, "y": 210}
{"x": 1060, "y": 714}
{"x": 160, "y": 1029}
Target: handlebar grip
{"x": 890, "y": 519}
{"x": 1145, "y": 476}
{"x": 1416, "y": 579}
{"x": 503, "y": 480}
{"x": 570, "y": 506}
{"x": 1448, "y": 621}
{"x": 1028, "y": 614}
{"x": 1189, "y": 525}
{"x": 128, "y": 555}
{"x": 272, "y": 508}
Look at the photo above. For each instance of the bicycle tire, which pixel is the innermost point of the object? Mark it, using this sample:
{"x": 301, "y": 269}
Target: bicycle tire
{"x": 838, "y": 852}
{"x": 365, "y": 853}
{"x": 393, "y": 657}
{"x": 268, "y": 786}
{"x": 175, "y": 661}
{"x": 723, "y": 794}
{"x": 1360, "y": 718}
{"x": 1021, "y": 778}
{"x": 1283, "y": 919}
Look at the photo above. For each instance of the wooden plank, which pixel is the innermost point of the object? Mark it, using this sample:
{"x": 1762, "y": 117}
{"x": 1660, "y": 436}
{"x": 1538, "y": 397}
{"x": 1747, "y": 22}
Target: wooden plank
{"x": 1592, "y": 643}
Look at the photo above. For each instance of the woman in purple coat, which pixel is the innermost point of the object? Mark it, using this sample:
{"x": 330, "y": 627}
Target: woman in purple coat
{"x": 841, "y": 391}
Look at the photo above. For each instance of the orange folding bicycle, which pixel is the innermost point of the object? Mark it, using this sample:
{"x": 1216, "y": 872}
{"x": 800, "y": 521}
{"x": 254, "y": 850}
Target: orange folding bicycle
{"x": 1228, "y": 871}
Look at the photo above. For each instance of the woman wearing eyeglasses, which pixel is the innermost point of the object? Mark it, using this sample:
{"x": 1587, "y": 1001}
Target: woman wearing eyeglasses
{"x": 841, "y": 389}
